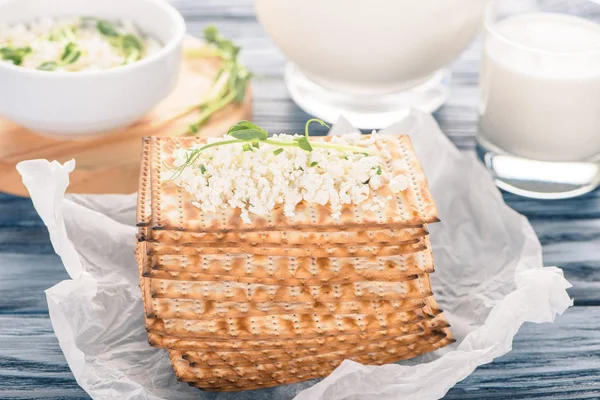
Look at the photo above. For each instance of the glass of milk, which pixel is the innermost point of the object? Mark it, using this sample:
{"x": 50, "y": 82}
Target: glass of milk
{"x": 539, "y": 116}
{"x": 370, "y": 60}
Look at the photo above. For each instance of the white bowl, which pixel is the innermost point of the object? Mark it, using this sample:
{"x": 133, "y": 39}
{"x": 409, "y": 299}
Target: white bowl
{"x": 88, "y": 103}
{"x": 371, "y": 48}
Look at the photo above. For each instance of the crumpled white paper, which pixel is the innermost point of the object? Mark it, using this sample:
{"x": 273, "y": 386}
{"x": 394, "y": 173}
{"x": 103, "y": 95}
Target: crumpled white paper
{"x": 489, "y": 279}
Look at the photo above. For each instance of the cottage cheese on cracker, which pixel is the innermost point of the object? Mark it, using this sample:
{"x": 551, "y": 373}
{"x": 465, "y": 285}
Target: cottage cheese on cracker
{"x": 258, "y": 179}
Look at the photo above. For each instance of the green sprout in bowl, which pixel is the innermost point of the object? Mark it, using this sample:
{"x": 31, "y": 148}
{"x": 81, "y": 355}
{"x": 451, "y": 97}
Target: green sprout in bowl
{"x": 14, "y": 54}
{"x": 129, "y": 44}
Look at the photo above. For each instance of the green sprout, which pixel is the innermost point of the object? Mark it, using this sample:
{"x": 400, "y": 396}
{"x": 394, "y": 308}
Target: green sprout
{"x": 65, "y": 32}
{"x": 48, "y": 66}
{"x": 70, "y": 55}
{"x": 130, "y": 45}
{"x": 230, "y": 85}
{"x": 250, "y": 134}
{"x": 14, "y": 54}
{"x": 107, "y": 28}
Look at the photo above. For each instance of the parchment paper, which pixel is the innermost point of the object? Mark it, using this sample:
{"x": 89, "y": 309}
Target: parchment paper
{"x": 489, "y": 279}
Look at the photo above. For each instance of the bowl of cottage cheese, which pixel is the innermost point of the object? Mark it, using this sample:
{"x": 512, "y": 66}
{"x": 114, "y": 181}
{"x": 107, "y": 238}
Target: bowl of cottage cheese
{"x": 81, "y": 68}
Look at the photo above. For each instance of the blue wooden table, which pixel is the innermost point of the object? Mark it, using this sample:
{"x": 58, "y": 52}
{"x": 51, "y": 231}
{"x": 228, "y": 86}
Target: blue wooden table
{"x": 549, "y": 361}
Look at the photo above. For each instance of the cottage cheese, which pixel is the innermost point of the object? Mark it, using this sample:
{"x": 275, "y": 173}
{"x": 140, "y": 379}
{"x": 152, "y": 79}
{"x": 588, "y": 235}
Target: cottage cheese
{"x": 46, "y": 38}
{"x": 260, "y": 179}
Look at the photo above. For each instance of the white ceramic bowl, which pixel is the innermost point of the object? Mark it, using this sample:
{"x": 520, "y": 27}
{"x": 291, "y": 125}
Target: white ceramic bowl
{"x": 371, "y": 47}
{"x": 88, "y": 103}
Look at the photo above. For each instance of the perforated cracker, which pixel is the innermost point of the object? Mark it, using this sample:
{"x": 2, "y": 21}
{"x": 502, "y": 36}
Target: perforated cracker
{"x": 289, "y": 238}
{"x": 285, "y": 238}
{"x": 289, "y": 268}
{"x": 205, "y": 310}
{"x": 144, "y": 206}
{"x": 297, "y": 357}
{"x": 170, "y": 342}
{"x": 285, "y": 299}
{"x": 261, "y": 293}
{"x": 302, "y": 349}
{"x": 173, "y": 209}
{"x": 233, "y": 368}
{"x": 411, "y": 246}
{"x": 285, "y": 373}
{"x": 285, "y": 271}
{"x": 381, "y": 237}
{"x": 342, "y": 279}
{"x": 283, "y": 326}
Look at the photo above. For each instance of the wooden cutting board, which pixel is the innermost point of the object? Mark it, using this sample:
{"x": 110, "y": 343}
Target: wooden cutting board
{"x": 110, "y": 164}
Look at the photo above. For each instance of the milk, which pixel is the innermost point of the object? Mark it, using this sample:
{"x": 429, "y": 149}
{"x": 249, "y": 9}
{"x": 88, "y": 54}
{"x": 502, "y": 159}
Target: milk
{"x": 541, "y": 87}
{"x": 371, "y": 46}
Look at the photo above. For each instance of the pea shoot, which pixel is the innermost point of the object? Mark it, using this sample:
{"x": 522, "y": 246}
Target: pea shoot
{"x": 132, "y": 47}
{"x": 48, "y": 66}
{"x": 71, "y": 53}
{"x": 107, "y": 28}
{"x": 229, "y": 86}
{"x": 14, "y": 54}
{"x": 65, "y": 32}
{"x": 129, "y": 44}
{"x": 251, "y": 135}
{"x": 69, "y": 56}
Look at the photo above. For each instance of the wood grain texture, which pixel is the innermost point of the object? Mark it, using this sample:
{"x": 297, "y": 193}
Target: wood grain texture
{"x": 543, "y": 363}
{"x": 110, "y": 164}
{"x": 549, "y": 361}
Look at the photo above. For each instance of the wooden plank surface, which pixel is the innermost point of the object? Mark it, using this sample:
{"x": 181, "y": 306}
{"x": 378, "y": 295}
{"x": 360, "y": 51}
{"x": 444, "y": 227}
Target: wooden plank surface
{"x": 549, "y": 361}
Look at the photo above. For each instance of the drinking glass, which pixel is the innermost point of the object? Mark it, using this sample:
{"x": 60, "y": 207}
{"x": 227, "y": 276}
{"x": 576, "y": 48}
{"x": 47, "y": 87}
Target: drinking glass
{"x": 539, "y": 115}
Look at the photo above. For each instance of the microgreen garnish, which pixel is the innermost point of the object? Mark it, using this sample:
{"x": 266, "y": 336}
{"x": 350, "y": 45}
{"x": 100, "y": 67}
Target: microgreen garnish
{"x": 130, "y": 44}
{"x": 107, "y": 28}
{"x": 245, "y": 130}
{"x": 304, "y": 144}
{"x": 64, "y": 32}
{"x": 70, "y": 54}
{"x": 48, "y": 66}
{"x": 132, "y": 47}
{"x": 249, "y": 134}
{"x": 230, "y": 84}
{"x": 314, "y": 164}
{"x": 70, "y": 38}
{"x": 224, "y": 46}
{"x": 202, "y": 168}
{"x": 378, "y": 170}
{"x": 14, "y": 54}
{"x": 310, "y": 121}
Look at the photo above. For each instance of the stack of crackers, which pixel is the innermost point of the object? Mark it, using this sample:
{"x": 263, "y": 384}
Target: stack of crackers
{"x": 285, "y": 299}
